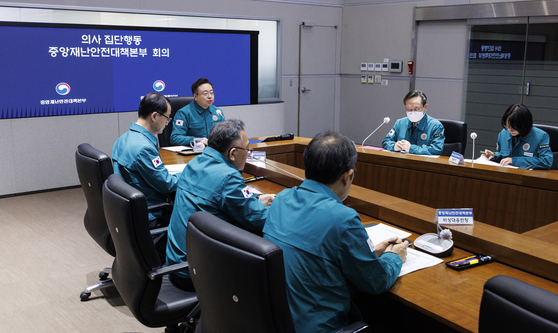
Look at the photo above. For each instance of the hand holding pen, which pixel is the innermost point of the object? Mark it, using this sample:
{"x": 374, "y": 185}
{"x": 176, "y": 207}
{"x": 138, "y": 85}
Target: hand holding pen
{"x": 397, "y": 246}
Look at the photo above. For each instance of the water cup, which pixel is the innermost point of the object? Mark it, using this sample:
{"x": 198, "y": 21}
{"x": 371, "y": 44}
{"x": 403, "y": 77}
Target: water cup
{"x": 198, "y": 145}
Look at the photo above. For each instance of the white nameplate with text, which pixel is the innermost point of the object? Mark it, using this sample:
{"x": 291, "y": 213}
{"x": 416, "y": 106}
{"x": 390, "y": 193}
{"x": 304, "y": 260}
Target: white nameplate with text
{"x": 459, "y": 216}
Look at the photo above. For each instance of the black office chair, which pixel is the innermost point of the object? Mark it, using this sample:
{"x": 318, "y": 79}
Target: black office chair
{"x": 93, "y": 168}
{"x": 552, "y": 131}
{"x": 239, "y": 278}
{"x": 137, "y": 271}
{"x": 456, "y": 136}
{"x": 511, "y": 305}
{"x": 176, "y": 103}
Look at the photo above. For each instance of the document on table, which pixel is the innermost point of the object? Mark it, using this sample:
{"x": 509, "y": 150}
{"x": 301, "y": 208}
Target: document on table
{"x": 175, "y": 168}
{"x": 418, "y": 260}
{"x": 380, "y": 232}
{"x": 415, "y": 259}
{"x": 484, "y": 160}
{"x": 176, "y": 149}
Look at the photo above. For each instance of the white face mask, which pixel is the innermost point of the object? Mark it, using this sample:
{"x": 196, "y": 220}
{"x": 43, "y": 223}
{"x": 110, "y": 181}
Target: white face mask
{"x": 415, "y": 116}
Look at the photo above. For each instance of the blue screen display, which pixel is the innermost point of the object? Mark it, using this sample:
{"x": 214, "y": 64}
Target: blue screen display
{"x": 70, "y": 70}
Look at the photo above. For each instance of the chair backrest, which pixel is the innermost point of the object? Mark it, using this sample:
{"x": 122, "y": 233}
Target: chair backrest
{"x": 239, "y": 278}
{"x": 176, "y": 103}
{"x": 511, "y": 305}
{"x": 93, "y": 168}
{"x": 127, "y": 218}
{"x": 456, "y": 136}
{"x": 552, "y": 131}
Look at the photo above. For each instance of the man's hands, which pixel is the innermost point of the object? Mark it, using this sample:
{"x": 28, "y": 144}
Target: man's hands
{"x": 399, "y": 248}
{"x": 267, "y": 199}
{"x": 402, "y": 145}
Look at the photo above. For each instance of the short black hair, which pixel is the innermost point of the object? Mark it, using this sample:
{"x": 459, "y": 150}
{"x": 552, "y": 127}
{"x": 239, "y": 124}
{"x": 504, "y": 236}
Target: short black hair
{"x": 223, "y": 135}
{"x": 328, "y": 156}
{"x": 520, "y": 119}
{"x": 413, "y": 94}
{"x": 198, "y": 83}
{"x": 153, "y": 102}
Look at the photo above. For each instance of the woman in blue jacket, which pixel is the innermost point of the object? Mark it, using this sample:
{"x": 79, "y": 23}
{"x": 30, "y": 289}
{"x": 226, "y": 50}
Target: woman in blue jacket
{"x": 519, "y": 143}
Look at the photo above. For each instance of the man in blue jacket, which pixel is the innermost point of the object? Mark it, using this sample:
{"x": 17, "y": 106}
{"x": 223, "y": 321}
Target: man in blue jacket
{"x": 212, "y": 182}
{"x": 197, "y": 118}
{"x": 136, "y": 157}
{"x": 418, "y": 133}
{"x": 327, "y": 252}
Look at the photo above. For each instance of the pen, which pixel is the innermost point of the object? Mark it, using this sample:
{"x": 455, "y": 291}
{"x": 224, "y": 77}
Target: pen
{"x": 253, "y": 178}
{"x": 462, "y": 260}
{"x": 404, "y": 239}
{"x": 487, "y": 153}
{"x": 468, "y": 263}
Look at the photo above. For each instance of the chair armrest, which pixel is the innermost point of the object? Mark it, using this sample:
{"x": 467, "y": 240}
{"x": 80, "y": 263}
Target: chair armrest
{"x": 158, "y": 231}
{"x": 158, "y": 207}
{"x": 359, "y": 326}
{"x": 166, "y": 270}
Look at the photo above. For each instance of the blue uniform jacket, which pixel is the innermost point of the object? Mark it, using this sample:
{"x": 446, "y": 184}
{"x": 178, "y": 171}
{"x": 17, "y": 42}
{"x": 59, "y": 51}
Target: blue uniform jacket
{"x": 326, "y": 256}
{"x": 211, "y": 183}
{"x": 136, "y": 157}
{"x": 427, "y": 139}
{"x": 193, "y": 122}
{"x": 534, "y": 149}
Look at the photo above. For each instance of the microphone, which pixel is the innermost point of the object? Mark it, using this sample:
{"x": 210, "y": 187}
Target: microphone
{"x": 386, "y": 120}
{"x": 473, "y": 136}
{"x": 221, "y": 114}
{"x": 285, "y": 171}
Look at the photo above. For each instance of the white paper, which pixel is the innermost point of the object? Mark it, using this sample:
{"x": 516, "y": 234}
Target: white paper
{"x": 418, "y": 260}
{"x": 415, "y": 259}
{"x": 484, "y": 160}
{"x": 175, "y": 168}
{"x": 176, "y": 149}
{"x": 381, "y": 232}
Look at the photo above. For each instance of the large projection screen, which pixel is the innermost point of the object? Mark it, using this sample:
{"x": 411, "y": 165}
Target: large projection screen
{"x": 67, "y": 69}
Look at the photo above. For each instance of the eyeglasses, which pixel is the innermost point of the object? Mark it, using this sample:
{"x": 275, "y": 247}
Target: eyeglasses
{"x": 248, "y": 150}
{"x": 415, "y": 109}
{"x": 207, "y": 93}
{"x": 168, "y": 118}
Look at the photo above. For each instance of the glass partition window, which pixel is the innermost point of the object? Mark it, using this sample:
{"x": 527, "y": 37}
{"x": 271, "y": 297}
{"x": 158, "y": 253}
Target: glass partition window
{"x": 494, "y": 75}
{"x": 507, "y": 64}
{"x": 541, "y": 73}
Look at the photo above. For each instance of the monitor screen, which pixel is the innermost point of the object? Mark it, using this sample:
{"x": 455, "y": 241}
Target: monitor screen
{"x": 55, "y": 69}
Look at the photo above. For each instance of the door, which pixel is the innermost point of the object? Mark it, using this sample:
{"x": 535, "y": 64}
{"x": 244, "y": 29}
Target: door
{"x": 317, "y": 89}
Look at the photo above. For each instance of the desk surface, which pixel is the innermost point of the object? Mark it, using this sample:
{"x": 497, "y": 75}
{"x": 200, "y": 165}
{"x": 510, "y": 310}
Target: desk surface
{"x": 512, "y": 199}
{"x": 451, "y": 297}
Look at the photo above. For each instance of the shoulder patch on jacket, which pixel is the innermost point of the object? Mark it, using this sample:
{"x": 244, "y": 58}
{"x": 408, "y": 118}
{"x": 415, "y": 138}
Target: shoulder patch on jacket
{"x": 157, "y": 161}
{"x": 246, "y": 192}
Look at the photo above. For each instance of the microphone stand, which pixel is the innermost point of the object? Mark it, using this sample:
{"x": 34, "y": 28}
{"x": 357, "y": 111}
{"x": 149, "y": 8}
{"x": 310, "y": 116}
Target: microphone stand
{"x": 473, "y": 157}
{"x": 362, "y": 145}
{"x": 285, "y": 171}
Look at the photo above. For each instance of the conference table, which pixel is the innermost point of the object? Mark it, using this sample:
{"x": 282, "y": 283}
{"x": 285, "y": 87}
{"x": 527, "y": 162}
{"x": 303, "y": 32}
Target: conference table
{"x": 448, "y": 296}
